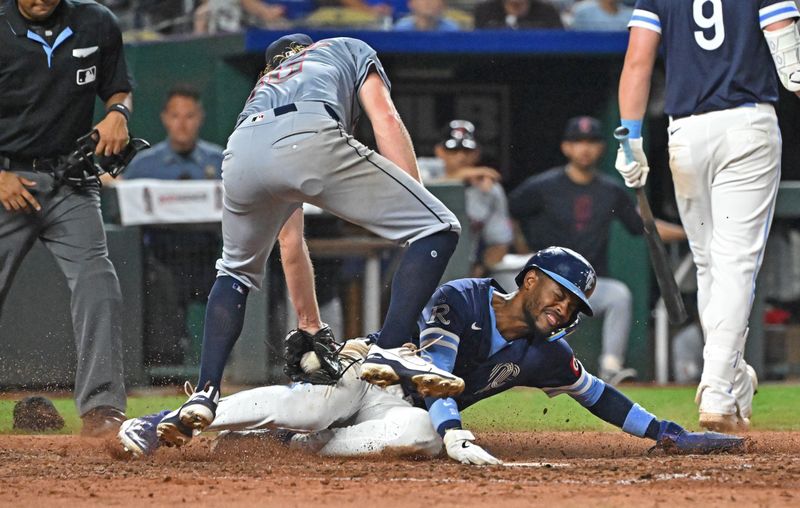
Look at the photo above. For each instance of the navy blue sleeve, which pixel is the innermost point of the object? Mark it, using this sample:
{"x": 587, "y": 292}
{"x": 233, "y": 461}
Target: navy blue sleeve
{"x": 441, "y": 325}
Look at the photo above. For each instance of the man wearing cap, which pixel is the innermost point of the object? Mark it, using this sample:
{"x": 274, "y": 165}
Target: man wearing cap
{"x": 494, "y": 340}
{"x": 292, "y": 144}
{"x": 574, "y": 205}
{"x": 457, "y": 159}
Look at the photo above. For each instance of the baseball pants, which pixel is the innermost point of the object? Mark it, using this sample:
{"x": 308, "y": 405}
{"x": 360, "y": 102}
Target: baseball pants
{"x": 71, "y": 227}
{"x": 274, "y": 164}
{"x": 347, "y": 419}
{"x": 726, "y": 169}
{"x": 613, "y": 301}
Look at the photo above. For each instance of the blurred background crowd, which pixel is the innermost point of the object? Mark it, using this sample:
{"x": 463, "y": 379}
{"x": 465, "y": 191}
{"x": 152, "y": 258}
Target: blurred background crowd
{"x": 156, "y": 18}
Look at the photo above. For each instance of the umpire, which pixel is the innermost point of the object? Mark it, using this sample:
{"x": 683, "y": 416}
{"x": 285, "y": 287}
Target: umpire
{"x": 55, "y": 57}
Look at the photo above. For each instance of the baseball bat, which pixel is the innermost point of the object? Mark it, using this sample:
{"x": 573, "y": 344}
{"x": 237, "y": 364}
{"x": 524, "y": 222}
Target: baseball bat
{"x": 658, "y": 253}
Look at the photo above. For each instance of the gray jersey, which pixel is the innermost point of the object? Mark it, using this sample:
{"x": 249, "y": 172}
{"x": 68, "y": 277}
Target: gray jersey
{"x": 330, "y": 71}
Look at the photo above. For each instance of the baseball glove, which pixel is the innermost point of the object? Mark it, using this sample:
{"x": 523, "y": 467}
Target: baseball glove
{"x": 675, "y": 440}
{"x": 297, "y": 343}
{"x": 37, "y": 414}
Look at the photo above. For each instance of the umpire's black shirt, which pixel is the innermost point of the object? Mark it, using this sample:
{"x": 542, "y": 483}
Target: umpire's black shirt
{"x": 50, "y": 73}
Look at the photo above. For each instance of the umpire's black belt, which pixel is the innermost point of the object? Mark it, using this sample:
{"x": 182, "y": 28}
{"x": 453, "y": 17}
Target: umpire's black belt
{"x": 38, "y": 164}
{"x": 302, "y": 107}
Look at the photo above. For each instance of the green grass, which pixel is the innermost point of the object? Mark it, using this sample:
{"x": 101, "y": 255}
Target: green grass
{"x": 776, "y": 407}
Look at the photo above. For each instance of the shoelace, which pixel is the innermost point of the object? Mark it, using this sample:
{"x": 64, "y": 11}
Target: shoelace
{"x": 413, "y": 350}
{"x": 190, "y": 390}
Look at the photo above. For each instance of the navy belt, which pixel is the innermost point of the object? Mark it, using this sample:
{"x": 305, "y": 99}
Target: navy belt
{"x": 292, "y": 107}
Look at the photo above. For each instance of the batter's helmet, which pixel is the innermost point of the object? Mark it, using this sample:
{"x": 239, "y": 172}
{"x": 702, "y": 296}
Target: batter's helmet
{"x": 568, "y": 268}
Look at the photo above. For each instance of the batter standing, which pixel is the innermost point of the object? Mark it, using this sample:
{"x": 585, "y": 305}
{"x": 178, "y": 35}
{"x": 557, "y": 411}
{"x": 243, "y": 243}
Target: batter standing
{"x": 725, "y": 152}
{"x": 293, "y": 144}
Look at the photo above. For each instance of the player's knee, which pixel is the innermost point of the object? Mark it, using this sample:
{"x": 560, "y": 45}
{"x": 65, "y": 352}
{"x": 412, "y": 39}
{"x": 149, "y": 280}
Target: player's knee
{"x": 621, "y": 294}
{"x": 418, "y": 434}
{"x": 97, "y": 275}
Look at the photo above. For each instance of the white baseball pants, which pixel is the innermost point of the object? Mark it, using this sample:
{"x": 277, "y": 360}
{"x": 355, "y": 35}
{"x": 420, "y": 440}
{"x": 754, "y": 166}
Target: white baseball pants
{"x": 352, "y": 418}
{"x": 726, "y": 169}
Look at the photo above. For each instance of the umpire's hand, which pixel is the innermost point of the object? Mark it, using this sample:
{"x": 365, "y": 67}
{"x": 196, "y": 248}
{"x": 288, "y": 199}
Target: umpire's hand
{"x": 113, "y": 131}
{"x": 14, "y": 193}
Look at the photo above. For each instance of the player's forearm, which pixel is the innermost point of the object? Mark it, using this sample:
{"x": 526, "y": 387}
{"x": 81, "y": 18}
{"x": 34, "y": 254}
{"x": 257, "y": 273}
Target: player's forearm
{"x": 618, "y": 410}
{"x": 395, "y": 144}
{"x": 634, "y": 84}
{"x": 299, "y": 274}
{"x": 670, "y": 232}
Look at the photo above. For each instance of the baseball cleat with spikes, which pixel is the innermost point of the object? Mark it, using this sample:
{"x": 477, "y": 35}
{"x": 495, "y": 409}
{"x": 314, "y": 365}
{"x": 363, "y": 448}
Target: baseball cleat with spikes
{"x": 138, "y": 436}
{"x": 384, "y": 367}
{"x": 172, "y": 431}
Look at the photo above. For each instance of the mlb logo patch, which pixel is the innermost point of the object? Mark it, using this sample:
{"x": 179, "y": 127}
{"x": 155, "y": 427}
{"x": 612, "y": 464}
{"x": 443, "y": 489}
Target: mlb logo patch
{"x": 86, "y": 76}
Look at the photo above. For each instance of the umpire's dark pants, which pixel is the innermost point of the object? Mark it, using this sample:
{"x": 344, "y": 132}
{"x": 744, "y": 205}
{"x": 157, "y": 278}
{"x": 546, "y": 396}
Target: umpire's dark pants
{"x": 71, "y": 227}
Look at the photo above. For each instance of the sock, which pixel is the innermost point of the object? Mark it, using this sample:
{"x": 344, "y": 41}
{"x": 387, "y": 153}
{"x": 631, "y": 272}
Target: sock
{"x": 224, "y": 322}
{"x": 413, "y": 284}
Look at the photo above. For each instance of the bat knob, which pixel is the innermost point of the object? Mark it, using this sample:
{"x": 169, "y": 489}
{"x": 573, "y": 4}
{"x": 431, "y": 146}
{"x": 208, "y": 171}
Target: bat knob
{"x": 621, "y": 132}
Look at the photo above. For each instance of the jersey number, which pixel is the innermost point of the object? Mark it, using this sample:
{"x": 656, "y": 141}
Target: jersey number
{"x": 713, "y": 21}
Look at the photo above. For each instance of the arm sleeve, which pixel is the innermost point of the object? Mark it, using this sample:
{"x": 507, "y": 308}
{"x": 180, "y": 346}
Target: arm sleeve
{"x": 617, "y": 409}
{"x": 524, "y": 200}
{"x": 441, "y": 325}
{"x": 113, "y": 72}
{"x": 772, "y": 11}
{"x": 444, "y": 414}
{"x": 365, "y": 60}
{"x": 625, "y": 211}
{"x": 646, "y": 15}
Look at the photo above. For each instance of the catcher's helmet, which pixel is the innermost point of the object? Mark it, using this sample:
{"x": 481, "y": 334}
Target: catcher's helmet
{"x": 568, "y": 268}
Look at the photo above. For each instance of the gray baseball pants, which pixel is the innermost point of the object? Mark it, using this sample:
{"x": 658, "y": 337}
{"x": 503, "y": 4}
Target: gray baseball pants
{"x": 274, "y": 164}
{"x": 71, "y": 227}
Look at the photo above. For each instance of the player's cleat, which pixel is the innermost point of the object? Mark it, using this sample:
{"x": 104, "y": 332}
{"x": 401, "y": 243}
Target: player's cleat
{"x": 718, "y": 421}
{"x": 172, "y": 431}
{"x": 384, "y": 367}
{"x": 672, "y": 438}
{"x": 138, "y": 436}
{"x": 198, "y": 412}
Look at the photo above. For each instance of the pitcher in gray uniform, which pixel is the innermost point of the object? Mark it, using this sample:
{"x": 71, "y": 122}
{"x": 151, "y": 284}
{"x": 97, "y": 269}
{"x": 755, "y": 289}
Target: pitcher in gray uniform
{"x": 293, "y": 144}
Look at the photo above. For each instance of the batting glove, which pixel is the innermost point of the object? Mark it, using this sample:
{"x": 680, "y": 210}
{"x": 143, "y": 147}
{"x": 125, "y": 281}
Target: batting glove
{"x": 635, "y": 172}
{"x": 674, "y": 439}
{"x": 460, "y": 447}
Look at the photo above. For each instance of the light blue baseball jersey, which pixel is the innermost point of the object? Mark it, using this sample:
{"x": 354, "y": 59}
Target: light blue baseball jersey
{"x": 162, "y": 162}
{"x": 329, "y": 71}
{"x": 458, "y": 326}
{"x": 715, "y": 51}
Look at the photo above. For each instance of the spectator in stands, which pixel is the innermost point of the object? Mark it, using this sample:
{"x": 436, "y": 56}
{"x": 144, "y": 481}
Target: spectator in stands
{"x": 381, "y": 8}
{"x": 600, "y": 15}
{"x": 214, "y": 16}
{"x": 573, "y": 206}
{"x": 179, "y": 261}
{"x": 457, "y": 159}
{"x": 516, "y": 14}
{"x": 427, "y": 15}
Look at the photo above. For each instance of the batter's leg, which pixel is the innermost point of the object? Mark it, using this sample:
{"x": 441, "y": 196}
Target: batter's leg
{"x": 75, "y": 236}
{"x": 402, "y": 430}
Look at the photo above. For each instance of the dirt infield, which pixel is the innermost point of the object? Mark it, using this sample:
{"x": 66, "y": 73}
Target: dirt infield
{"x": 555, "y": 469}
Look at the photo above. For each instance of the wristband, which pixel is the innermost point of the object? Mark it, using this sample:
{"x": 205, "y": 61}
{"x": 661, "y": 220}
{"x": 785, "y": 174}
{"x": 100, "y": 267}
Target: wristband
{"x": 120, "y": 108}
{"x": 634, "y": 127}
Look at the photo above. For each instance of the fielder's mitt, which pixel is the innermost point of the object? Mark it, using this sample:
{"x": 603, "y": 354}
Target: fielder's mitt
{"x": 674, "y": 439}
{"x": 323, "y": 343}
{"x": 37, "y": 414}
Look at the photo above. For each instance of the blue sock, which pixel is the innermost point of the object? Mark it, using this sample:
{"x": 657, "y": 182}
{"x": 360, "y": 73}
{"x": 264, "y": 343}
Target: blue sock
{"x": 413, "y": 284}
{"x": 224, "y": 321}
